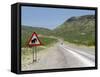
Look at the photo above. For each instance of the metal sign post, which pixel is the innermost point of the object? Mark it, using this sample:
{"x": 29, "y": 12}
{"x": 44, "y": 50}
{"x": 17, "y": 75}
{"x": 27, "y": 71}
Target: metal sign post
{"x": 34, "y": 54}
{"x": 34, "y": 42}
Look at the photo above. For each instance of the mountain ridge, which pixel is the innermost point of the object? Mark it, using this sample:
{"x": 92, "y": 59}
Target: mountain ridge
{"x": 79, "y": 30}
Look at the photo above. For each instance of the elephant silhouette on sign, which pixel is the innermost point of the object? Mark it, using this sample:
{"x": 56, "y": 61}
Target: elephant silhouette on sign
{"x": 34, "y": 40}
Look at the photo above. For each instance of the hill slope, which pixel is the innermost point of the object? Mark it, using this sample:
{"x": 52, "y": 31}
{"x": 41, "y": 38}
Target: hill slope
{"x": 79, "y": 30}
{"x": 27, "y": 32}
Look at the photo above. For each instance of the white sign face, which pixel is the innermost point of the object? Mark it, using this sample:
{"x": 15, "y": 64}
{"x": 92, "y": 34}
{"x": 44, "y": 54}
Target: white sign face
{"x": 34, "y": 40}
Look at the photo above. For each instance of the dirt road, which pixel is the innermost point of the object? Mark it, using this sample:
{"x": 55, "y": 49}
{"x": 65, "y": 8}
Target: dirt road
{"x": 61, "y": 56}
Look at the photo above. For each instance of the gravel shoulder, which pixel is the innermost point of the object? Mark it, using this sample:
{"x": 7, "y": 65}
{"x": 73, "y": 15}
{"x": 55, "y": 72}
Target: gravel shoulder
{"x": 48, "y": 58}
{"x": 54, "y": 57}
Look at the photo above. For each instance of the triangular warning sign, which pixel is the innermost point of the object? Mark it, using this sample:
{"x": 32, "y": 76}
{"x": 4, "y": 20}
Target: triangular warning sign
{"x": 34, "y": 40}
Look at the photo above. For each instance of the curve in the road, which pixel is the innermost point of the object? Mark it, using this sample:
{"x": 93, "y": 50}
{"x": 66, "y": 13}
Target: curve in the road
{"x": 80, "y": 56}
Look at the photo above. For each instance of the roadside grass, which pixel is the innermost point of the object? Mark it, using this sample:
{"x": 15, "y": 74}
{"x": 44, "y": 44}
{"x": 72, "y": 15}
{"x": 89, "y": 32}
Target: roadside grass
{"x": 26, "y": 52}
{"x": 87, "y": 40}
{"x": 27, "y": 55}
{"x": 46, "y": 41}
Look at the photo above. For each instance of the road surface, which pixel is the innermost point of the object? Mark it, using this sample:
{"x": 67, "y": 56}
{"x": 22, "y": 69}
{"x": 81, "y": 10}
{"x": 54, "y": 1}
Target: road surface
{"x": 61, "y": 56}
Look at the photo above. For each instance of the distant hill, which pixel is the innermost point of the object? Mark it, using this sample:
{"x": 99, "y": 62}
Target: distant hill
{"x": 80, "y": 30}
{"x": 27, "y": 32}
{"x": 38, "y": 30}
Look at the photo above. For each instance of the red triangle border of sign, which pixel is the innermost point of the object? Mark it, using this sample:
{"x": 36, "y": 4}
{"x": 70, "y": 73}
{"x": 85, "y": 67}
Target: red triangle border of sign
{"x": 37, "y": 38}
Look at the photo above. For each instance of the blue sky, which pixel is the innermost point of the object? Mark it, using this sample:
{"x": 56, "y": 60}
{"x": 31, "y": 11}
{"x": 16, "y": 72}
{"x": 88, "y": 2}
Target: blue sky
{"x": 48, "y": 17}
